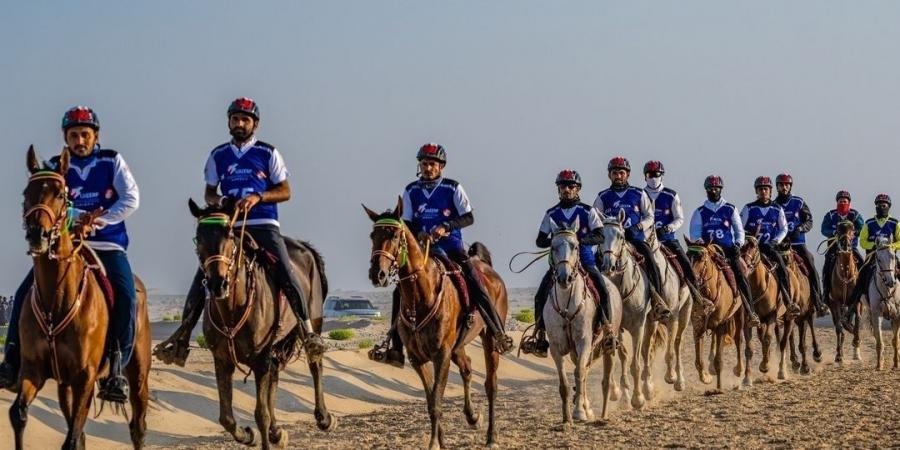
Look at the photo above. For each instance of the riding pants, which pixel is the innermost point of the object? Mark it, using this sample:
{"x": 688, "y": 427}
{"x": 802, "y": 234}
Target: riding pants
{"x": 733, "y": 254}
{"x": 652, "y": 269}
{"x": 784, "y": 281}
{"x": 807, "y": 257}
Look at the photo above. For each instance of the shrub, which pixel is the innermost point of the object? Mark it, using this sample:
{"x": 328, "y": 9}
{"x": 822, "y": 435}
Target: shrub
{"x": 341, "y": 334}
{"x": 201, "y": 341}
{"x": 347, "y": 318}
{"x": 525, "y": 315}
{"x": 366, "y": 343}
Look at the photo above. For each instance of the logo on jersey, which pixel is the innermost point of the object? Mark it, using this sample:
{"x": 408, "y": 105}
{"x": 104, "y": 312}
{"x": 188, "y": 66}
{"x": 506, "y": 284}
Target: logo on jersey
{"x": 75, "y": 192}
{"x": 446, "y": 212}
{"x": 230, "y": 170}
{"x": 261, "y": 175}
{"x": 108, "y": 194}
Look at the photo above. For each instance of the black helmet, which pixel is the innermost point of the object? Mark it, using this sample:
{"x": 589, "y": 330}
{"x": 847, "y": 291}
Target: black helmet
{"x": 568, "y": 176}
{"x": 432, "y": 151}
{"x": 244, "y": 105}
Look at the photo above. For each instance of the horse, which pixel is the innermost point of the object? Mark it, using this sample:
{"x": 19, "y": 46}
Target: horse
{"x": 802, "y": 293}
{"x": 884, "y": 301}
{"x": 620, "y": 266}
{"x": 569, "y": 319}
{"x": 843, "y": 280}
{"x": 63, "y": 329}
{"x": 725, "y": 321}
{"x": 249, "y": 323}
{"x": 771, "y": 312}
{"x": 431, "y": 321}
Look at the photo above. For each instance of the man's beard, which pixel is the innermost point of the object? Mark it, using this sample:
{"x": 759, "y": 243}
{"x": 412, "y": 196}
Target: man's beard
{"x": 713, "y": 197}
{"x": 239, "y": 134}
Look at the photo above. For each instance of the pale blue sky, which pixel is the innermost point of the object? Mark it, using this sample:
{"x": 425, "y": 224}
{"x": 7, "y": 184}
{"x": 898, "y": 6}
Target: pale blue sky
{"x": 515, "y": 90}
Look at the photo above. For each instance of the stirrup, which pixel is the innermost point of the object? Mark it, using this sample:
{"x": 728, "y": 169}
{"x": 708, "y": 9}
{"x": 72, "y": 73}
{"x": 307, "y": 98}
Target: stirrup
{"x": 114, "y": 389}
{"x": 847, "y": 320}
{"x": 753, "y": 319}
{"x": 534, "y": 344}
{"x": 379, "y": 351}
{"x": 314, "y": 346}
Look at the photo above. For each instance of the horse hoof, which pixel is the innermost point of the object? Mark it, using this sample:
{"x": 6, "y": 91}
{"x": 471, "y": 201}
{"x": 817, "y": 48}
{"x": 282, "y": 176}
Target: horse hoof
{"x": 474, "y": 420}
{"x": 856, "y": 355}
{"x": 278, "y": 437}
{"x": 249, "y": 437}
{"x": 615, "y": 394}
{"x": 579, "y": 416}
{"x": 637, "y": 402}
{"x": 679, "y": 385}
{"x": 328, "y": 425}
{"x": 804, "y": 369}
{"x": 795, "y": 365}
{"x": 748, "y": 382}
{"x": 670, "y": 378}
{"x": 817, "y": 356}
{"x": 838, "y": 359}
{"x": 782, "y": 375}
{"x": 764, "y": 368}
{"x": 705, "y": 379}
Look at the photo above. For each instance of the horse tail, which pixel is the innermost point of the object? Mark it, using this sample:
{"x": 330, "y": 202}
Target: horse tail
{"x": 660, "y": 338}
{"x": 480, "y": 250}
{"x": 320, "y": 265}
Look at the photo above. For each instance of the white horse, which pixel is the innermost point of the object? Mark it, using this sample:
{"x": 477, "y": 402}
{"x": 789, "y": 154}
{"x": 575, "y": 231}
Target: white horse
{"x": 884, "y": 300}
{"x": 569, "y": 316}
{"x": 634, "y": 287}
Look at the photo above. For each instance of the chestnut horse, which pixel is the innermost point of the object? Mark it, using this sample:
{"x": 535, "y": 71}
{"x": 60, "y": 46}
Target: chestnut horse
{"x": 431, "y": 321}
{"x": 725, "y": 321}
{"x": 62, "y": 329}
{"x": 802, "y": 292}
{"x": 248, "y": 323}
{"x": 771, "y": 312}
{"x": 843, "y": 280}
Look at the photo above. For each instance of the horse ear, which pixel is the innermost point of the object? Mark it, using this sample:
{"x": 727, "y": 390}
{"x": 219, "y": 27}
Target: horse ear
{"x": 554, "y": 227}
{"x": 576, "y": 224}
{"x": 31, "y": 160}
{"x": 686, "y": 240}
{"x": 372, "y": 214}
{"x": 195, "y": 210}
{"x": 398, "y": 211}
{"x": 63, "y": 162}
{"x": 621, "y": 216}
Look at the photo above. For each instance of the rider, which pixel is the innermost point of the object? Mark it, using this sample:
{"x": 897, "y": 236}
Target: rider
{"x": 570, "y": 207}
{"x": 843, "y": 212}
{"x": 800, "y": 221}
{"x": 253, "y": 175}
{"x": 765, "y": 220}
{"x": 438, "y": 208}
{"x": 718, "y": 222}
{"x": 880, "y": 227}
{"x": 669, "y": 217}
{"x": 639, "y": 220}
{"x": 98, "y": 179}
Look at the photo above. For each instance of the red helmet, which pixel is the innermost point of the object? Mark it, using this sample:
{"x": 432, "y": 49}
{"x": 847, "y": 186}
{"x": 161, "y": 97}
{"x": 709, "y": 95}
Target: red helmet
{"x": 654, "y": 166}
{"x": 713, "y": 181}
{"x": 80, "y": 115}
{"x": 618, "y": 163}
{"x": 762, "y": 182}
{"x": 842, "y": 194}
{"x": 568, "y": 176}
{"x": 883, "y": 198}
{"x": 244, "y": 105}
{"x": 784, "y": 178}
{"x": 432, "y": 151}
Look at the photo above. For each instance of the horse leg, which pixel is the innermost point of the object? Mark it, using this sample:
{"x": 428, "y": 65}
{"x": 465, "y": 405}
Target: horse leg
{"x": 224, "y": 374}
{"x": 764, "y": 333}
{"x": 614, "y": 392}
{"x": 804, "y": 364}
{"x": 787, "y": 338}
{"x": 739, "y": 333}
{"x": 491, "y": 363}
{"x": 683, "y": 320}
{"x": 18, "y": 411}
{"x": 608, "y": 362}
{"x": 582, "y": 359}
{"x": 139, "y": 397}
{"x": 325, "y": 421}
{"x": 262, "y": 376}
{"x": 857, "y": 355}
{"x": 879, "y": 342}
{"x": 698, "y": 360}
{"x": 718, "y": 338}
{"x": 795, "y": 357}
{"x": 465, "y": 372}
{"x": 895, "y": 341}
{"x": 563, "y": 384}
{"x": 839, "y": 334}
{"x": 671, "y": 372}
{"x": 82, "y": 394}
{"x": 277, "y": 435}
{"x": 637, "y": 397}
{"x": 748, "y": 354}
{"x": 647, "y": 359}
{"x": 817, "y": 353}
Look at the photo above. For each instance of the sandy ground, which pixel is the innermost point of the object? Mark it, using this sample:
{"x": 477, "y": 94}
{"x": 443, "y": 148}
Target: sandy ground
{"x": 847, "y": 405}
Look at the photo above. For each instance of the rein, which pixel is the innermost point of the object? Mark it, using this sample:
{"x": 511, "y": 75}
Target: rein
{"x": 45, "y": 319}
{"x": 61, "y": 220}
{"x": 579, "y": 272}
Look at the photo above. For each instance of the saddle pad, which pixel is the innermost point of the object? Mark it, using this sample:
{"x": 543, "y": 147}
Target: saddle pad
{"x": 456, "y": 276}
{"x": 723, "y": 265}
{"x": 673, "y": 261}
{"x": 800, "y": 263}
{"x": 96, "y": 267}
{"x": 592, "y": 287}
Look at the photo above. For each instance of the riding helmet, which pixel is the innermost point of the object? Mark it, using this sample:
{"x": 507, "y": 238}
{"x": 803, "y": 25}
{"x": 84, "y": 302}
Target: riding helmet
{"x": 713, "y": 181}
{"x": 762, "y": 181}
{"x": 883, "y": 198}
{"x": 432, "y": 151}
{"x": 654, "y": 166}
{"x": 784, "y": 178}
{"x": 842, "y": 194}
{"x": 244, "y": 105}
{"x": 80, "y": 115}
{"x": 618, "y": 163}
{"x": 568, "y": 176}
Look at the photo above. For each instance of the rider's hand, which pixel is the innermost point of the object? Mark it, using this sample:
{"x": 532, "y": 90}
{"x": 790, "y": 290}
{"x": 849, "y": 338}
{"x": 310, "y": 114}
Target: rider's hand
{"x": 439, "y": 231}
{"x": 249, "y": 201}
{"x": 422, "y": 236}
{"x": 86, "y": 222}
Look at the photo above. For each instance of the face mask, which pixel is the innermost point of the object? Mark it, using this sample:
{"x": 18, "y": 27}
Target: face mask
{"x": 843, "y": 209}
{"x": 882, "y": 211}
{"x": 654, "y": 182}
{"x": 713, "y": 196}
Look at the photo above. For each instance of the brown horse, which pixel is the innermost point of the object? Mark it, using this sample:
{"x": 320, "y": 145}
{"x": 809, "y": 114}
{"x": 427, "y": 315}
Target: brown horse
{"x": 802, "y": 293}
{"x": 726, "y": 321}
{"x": 771, "y": 312}
{"x": 63, "y": 327}
{"x": 431, "y": 321}
{"x": 843, "y": 280}
{"x": 249, "y": 323}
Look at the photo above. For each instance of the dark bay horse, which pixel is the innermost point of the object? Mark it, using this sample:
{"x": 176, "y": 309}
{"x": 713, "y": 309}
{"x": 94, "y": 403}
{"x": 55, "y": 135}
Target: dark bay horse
{"x": 431, "y": 317}
{"x": 843, "y": 279}
{"x": 249, "y": 323}
{"x": 63, "y": 326}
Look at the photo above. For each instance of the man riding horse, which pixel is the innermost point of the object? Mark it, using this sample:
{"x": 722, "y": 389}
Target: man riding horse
{"x": 669, "y": 217}
{"x": 881, "y": 227}
{"x": 639, "y": 220}
{"x": 438, "y": 208}
{"x": 589, "y": 234}
{"x": 253, "y": 175}
{"x": 800, "y": 221}
{"x": 843, "y": 212}
{"x": 718, "y": 222}
{"x": 765, "y": 220}
{"x": 98, "y": 179}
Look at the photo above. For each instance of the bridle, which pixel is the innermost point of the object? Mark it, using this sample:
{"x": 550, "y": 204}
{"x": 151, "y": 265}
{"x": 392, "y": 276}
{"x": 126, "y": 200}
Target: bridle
{"x": 59, "y": 219}
{"x": 400, "y": 256}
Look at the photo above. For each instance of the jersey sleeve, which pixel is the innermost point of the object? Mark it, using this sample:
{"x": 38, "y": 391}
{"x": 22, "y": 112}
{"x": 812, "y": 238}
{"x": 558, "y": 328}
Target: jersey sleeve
{"x": 737, "y": 227}
{"x": 594, "y": 221}
{"x": 864, "y": 239}
{"x": 407, "y": 215}
{"x": 545, "y": 224}
{"x": 827, "y": 227}
{"x": 781, "y": 230}
{"x": 278, "y": 172}
{"x": 695, "y": 229}
{"x": 677, "y": 213}
{"x": 461, "y": 200}
{"x": 127, "y": 189}
{"x": 895, "y": 246}
{"x": 647, "y": 218}
{"x": 598, "y": 205}
{"x": 745, "y": 214}
{"x": 210, "y": 172}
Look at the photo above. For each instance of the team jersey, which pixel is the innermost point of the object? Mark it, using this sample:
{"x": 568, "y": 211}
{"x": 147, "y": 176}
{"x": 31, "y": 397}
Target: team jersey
{"x": 255, "y": 167}
{"x": 588, "y": 220}
{"x": 766, "y": 222}
{"x": 796, "y": 213}
{"x": 876, "y": 229}
{"x": 427, "y": 204}
{"x": 833, "y": 218}
{"x": 717, "y": 223}
{"x": 102, "y": 180}
{"x": 667, "y": 211}
{"x": 636, "y": 205}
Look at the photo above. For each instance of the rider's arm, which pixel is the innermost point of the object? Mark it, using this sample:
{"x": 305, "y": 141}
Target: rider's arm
{"x": 864, "y": 239}
{"x": 737, "y": 227}
{"x": 127, "y": 189}
{"x": 598, "y": 205}
{"x": 781, "y": 230}
{"x": 806, "y": 220}
{"x": 543, "y": 237}
{"x": 463, "y": 210}
{"x": 895, "y": 246}
{"x": 828, "y": 228}
{"x": 278, "y": 175}
{"x": 211, "y": 175}
{"x": 696, "y": 227}
{"x": 745, "y": 214}
{"x": 859, "y": 223}
{"x": 677, "y": 214}
{"x": 647, "y": 218}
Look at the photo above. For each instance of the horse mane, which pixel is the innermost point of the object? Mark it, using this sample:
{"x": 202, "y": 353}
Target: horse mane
{"x": 480, "y": 250}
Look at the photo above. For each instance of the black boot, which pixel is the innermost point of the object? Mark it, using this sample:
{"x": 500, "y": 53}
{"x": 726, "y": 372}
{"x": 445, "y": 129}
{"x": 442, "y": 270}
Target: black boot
{"x": 115, "y": 387}
{"x": 313, "y": 343}
{"x": 9, "y": 368}
{"x": 391, "y": 350}
{"x": 176, "y": 348}
{"x": 478, "y": 292}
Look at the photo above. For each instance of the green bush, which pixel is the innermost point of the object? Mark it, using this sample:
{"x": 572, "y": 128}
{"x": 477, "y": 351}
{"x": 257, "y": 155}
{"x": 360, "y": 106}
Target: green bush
{"x": 341, "y": 334}
{"x": 347, "y": 318}
{"x": 176, "y": 318}
{"x": 201, "y": 341}
{"x": 525, "y": 315}
{"x": 366, "y": 343}
{"x": 167, "y": 318}
{"x": 2, "y": 340}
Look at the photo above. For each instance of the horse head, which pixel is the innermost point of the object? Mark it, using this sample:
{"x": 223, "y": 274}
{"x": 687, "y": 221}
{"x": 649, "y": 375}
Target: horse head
{"x": 390, "y": 249}
{"x": 613, "y": 242}
{"x": 216, "y": 246}
{"x": 750, "y": 251}
{"x": 886, "y": 260}
{"x": 844, "y": 235}
{"x": 564, "y": 251}
{"x": 46, "y": 203}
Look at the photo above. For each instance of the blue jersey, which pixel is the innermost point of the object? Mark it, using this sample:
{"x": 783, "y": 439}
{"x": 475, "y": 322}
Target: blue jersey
{"x": 792, "y": 210}
{"x": 587, "y": 220}
{"x": 92, "y": 184}
{"x": 716, "y": 225}
{"x": 874, "y": 231}
{"x": 628, "y": 200}
{"x": 255, "y": 168}
{"x": 762, "y": 221}
{"x": 429, "y": 204}
{"x": 664, "y": 212}
{"x": 833, "y": 218}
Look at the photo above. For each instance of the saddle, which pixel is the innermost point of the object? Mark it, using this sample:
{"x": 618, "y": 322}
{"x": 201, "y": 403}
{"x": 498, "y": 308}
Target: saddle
{"x": 99, "y": 271}
{"x": 722, "y": 264}
{"x": 456, "y": 276}
{"x": 592, "y": 287}
{"x": 673, "y": 261}
{"x": 804, "y": 269}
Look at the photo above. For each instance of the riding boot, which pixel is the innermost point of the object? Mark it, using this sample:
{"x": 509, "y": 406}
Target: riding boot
{"x": 689, "y": 277}
{"x": 733, "y": 255}
{"x": 537, "y": 344}
{"x": 114, "y": 388}
{"x": 660, "y": 310}
{"x": 826, "y": 276}
{"x": 176, "y": 348}
{"x": 783, "y": 287}
{"x": 813, "y": 277}
{"x": 862, "y": 283}
{"x": 602, "y": 322}
{"x": 478, "y": 292}
{"x": 9, "y": 368}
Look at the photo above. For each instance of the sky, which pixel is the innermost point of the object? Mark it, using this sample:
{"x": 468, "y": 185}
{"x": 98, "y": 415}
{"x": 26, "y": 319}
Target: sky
{"x": 515, "y": 91}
